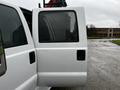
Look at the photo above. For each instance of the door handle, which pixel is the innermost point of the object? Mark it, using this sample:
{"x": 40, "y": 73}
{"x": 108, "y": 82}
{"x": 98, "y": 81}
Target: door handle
{"x": 81, "y": 55}
{"x": 32, "y": 57}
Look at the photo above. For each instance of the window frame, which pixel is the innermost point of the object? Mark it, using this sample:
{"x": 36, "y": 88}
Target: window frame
{"x": 15, "y": 8}
{"x": 76, "y": 18}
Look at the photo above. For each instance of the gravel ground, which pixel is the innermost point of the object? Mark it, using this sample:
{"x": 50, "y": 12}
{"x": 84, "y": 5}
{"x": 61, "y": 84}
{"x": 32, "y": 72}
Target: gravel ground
{"x": 103, "y": 67}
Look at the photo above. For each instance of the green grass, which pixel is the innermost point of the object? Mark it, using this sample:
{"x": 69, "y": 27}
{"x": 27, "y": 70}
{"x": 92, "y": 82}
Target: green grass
{"x": 116, "y": 42}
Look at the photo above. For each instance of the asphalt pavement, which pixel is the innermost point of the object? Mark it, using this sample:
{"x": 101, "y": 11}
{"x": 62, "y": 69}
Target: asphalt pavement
{"x": 103, "y": 66}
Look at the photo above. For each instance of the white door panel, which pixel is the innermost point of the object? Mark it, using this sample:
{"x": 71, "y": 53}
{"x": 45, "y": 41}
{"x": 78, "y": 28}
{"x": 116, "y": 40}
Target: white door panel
{"x": 18, "y": 43}
{"x": 63, "y": 59}
{"x": 30, "y": 84}
{"x": 19, "y": 71}
{"x": 62, "y": 55}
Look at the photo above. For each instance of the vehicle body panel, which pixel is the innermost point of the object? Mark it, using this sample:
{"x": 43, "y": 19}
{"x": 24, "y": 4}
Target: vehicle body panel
{"x": 57, "y": 62}
{"x": 19, "y": 69}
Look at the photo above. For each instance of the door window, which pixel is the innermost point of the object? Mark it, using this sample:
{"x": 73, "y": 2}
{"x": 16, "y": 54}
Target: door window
{"x": 11, "y": 27}
{"x": 58, "y": 26}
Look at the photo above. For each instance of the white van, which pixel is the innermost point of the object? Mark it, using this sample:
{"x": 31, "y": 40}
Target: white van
{"x": 54, "y": 55}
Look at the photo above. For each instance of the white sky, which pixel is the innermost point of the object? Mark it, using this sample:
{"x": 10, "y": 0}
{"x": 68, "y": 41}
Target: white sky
{"x": 101, "y": 13}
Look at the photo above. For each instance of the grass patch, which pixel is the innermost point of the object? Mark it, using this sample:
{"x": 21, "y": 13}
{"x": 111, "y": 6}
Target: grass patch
{"x": 116, "y": 42}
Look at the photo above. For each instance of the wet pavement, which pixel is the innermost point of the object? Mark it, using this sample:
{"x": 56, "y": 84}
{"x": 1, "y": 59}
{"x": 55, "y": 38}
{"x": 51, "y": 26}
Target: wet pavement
{"x": 103, "y": 66}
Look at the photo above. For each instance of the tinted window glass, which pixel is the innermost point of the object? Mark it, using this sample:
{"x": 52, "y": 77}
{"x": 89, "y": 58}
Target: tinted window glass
{"x": 58, "y": 26}
{"x": 11, "y": 27}
{"x": 28, "y": 17}
{"x": 1, "y": 48}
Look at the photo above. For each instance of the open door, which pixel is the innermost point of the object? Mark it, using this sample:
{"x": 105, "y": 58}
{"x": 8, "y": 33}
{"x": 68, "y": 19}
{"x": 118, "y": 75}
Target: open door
{"x": 61, "y": 44}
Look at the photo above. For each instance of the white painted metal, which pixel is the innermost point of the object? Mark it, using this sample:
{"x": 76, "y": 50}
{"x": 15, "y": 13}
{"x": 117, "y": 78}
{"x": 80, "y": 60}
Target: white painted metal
{"x": 57, "y": 62}
{"x": 20, "y": 75}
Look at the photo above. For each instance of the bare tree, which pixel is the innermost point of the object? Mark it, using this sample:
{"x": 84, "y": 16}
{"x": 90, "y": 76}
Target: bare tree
{"x": 90, "y": 26}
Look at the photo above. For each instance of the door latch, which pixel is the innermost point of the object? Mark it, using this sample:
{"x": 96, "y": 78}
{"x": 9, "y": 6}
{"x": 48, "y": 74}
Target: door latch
{"x": 32, "y": 57}
{"x": 81, "y": 55}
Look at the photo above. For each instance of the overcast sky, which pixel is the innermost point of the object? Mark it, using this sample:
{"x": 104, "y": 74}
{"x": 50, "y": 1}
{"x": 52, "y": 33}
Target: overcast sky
{"x": 101, "y": 13}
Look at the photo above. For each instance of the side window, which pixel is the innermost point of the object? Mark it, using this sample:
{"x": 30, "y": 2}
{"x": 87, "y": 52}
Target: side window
{"x": 28, "y": 17}
{"x": 11, "y": 27}
{"x": 58, "y": 26}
